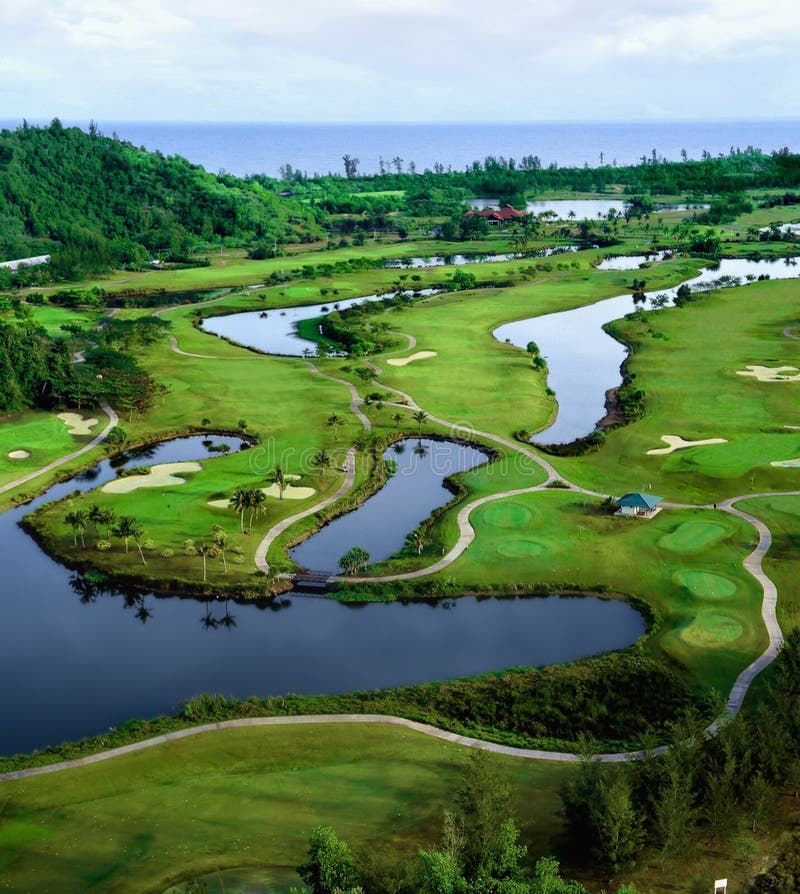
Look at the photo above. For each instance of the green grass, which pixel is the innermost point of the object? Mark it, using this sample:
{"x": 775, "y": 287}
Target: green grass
{"x": 564, "y": 539}
{"x": 693, "y": 391}
{"x": 45, "y": 437}
{"x": 243, "y": 798}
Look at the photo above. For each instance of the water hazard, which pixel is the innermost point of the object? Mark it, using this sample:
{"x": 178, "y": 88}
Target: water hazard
{"x": 584, "y": 362}
{"x": 78, "y": 659}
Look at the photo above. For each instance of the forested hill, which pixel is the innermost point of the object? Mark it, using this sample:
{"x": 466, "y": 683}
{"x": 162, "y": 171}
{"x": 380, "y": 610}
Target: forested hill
{"x": 96, "y": 202}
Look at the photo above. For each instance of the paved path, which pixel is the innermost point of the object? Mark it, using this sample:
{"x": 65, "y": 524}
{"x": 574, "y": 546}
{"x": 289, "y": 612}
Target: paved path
{"x": 349, "y": 479}
{"x": 113, "y": 419}
{"x": 304, "y": 720}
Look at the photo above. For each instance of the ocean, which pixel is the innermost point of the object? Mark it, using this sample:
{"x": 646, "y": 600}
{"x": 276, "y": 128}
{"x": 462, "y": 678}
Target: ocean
{"x": 318, "y": 148}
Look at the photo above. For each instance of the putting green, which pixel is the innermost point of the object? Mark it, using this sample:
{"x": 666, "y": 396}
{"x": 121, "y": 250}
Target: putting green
{"x": 710, "y": 630}
{"x": 521, "y": 549}
{"x": 507, "y": 515}
{"x": 693, "y": 536}
{"x": 705, "y": 584}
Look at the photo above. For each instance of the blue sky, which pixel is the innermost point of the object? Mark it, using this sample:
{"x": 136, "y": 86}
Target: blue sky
{"x": 400, "y": 60}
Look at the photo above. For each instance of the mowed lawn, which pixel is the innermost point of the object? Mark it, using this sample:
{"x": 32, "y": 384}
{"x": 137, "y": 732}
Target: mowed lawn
{"x": 689, "y": 373}
{"x": 477, "y": 380}
{"x": 245, "y": 797}
{"x": 686, "y": 564}
{"x": 45, "y": 437}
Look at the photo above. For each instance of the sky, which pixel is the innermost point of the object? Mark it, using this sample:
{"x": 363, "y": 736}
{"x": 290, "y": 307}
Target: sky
{"x": 399, "y": 60}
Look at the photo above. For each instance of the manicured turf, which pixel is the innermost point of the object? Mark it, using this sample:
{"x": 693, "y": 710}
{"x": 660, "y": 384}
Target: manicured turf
{"x": 693, "y": 390}
{"x": 243, "y": 798}
{"x": 565, "y": 539}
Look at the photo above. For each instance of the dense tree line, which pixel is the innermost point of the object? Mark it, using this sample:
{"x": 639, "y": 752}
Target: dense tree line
{"x": 442, "y": 191}
{"x": 39, "y": 371}
{"x": 479, "y": 851}
{"x": 95, "y": 202}
{"x": 726, "y": 786}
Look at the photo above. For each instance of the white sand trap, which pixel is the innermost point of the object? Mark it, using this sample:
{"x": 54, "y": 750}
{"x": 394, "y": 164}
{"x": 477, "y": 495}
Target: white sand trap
{"x": 676, "y": 442}
{"x": 289, "y": 493}
{"x": 19, "y": 454}
{"x": 77, "y": 424}
{"x": 771, "y": 373}
{"x": 162, "y": 475}
{"x": 404, "y": 361}
{"x": 787, "y": 463}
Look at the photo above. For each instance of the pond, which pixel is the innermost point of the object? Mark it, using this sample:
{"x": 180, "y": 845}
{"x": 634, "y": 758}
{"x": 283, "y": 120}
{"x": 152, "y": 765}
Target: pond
{"x": 461, "y": 260}
{"x": 584, "y": 362}
{"x": 76, "y": 659}
{"x": 275, "y": 331}
{"x": 581, "y": 208}
{"x": 631, "y": 262}
{"x": 380, "y": 524}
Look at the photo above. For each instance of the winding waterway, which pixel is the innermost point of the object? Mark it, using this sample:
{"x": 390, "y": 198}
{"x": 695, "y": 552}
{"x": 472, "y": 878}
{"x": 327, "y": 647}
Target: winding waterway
{"x": 77, "y": 659}
{"x": 275, "y": 331}
{"x": 380, "y": 524}
{"x": 584, "y": 362}
{"x": 580, "y": 209}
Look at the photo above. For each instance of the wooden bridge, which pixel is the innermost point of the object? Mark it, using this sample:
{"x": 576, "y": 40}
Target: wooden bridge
{"x": 312, "y": 580}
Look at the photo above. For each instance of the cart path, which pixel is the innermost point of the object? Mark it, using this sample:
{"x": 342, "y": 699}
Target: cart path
{"x": 113, "y": 420}
{"x": 349, "y": 479}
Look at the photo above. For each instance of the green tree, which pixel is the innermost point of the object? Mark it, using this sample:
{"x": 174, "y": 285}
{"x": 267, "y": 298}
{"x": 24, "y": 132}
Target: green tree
{"x": 255, "y": 504}
{"x": 334, "y": 421}
{"x": 126, "y": 528}
{"x": 329, "y": 868}
{"x": 219, "y": 538}
{"x": 354, "y": 559}
{"x": 280, "y": 480}
{"x": 77, "y": 519}
{"x": 239, "y": 502}
{"x": 616, "y": 821}
{"x": 419, "y": 417}
{"x": 322, "y": 460}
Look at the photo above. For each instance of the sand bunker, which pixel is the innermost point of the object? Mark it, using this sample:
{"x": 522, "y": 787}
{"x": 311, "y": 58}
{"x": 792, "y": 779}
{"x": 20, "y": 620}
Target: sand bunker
{"x": 404, "y": 361}
{"x": 77, "y": 424}
{"x": 771, "y": 373}
{"x": 676, "y": 442}
{"x": 290, "y": 492}
{"x": 163, "y": 475}
{"x": 19, "y": 454}
{"x": 781, "y": 464}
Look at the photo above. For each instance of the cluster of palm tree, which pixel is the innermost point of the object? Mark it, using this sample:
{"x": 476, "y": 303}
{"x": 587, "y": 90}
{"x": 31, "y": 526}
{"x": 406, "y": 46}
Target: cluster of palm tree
{"x": 125, "y": 527}
{"x": 216, "y": 546}
{"x": 250, "y": 499}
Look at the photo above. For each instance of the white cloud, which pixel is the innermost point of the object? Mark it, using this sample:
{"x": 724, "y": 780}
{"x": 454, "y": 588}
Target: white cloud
{"x": 399, "y": 59}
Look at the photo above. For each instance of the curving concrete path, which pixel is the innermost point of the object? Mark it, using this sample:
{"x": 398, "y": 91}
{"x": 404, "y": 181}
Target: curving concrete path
{"x": 349, "y": 479}
{"x": 311, "y": 719}
{"x": 113, "y": 420}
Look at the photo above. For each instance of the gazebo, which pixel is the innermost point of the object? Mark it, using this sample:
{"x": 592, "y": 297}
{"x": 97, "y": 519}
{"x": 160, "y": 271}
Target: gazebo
{"x": 638, "y": 505}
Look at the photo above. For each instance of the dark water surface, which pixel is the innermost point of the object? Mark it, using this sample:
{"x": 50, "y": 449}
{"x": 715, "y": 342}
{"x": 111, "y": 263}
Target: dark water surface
{"x": 584, "y": 362}
{"x": 75, "y": 661}
{"x": 380, "y": 524}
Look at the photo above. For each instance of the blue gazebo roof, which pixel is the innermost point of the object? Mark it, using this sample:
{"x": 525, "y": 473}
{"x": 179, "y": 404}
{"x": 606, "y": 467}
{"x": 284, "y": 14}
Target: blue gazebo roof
{"x": 639, "y": 501}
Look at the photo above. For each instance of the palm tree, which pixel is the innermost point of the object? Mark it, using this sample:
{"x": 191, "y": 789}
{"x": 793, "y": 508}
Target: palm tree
{"x": 353, "y": 559}
{"x": 126, "y": 528}
{"x": 94, "y": 516}
{"x": 418, "y": 539}
{"x": 239, "y": 502}
{"x": 419, "y": 417}
{"x": 138, "y": 533}
{"x": 397, "y": 419}
{"x": 255, "y": 503}
{"x": 204, "y": 550}
{"x": 322, "y": 460}
{"x": 334, "y": 421}
{"x": 219, "y": 537}
{"x": 280, "y": 480}
{"x": 77, "y": 521}
{"x": 107, "y": 517}
{"x": 227, "y": 620}
{"x": 208, "y": 621}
